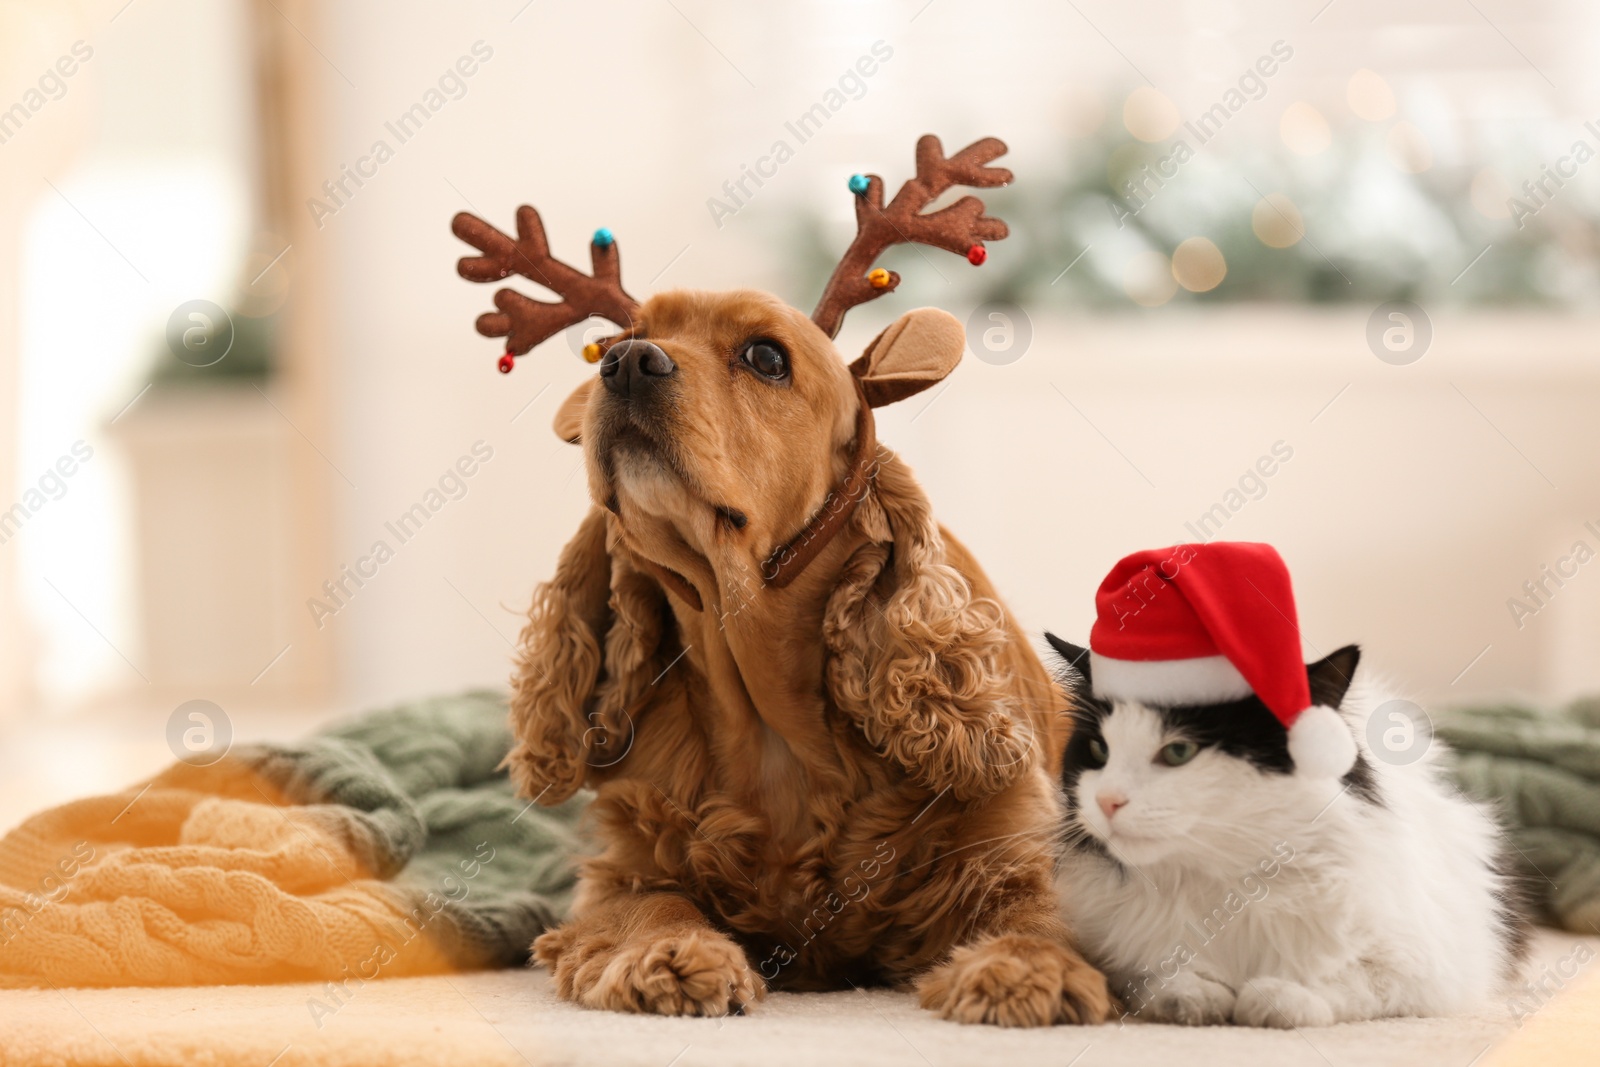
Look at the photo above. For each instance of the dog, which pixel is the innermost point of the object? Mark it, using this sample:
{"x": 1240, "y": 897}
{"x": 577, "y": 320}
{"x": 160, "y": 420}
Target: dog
{"x": 823, "y": 755}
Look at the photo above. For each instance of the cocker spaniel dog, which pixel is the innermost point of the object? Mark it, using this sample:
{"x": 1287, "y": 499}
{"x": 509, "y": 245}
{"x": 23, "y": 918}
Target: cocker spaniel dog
{"x": 821, "y": 750}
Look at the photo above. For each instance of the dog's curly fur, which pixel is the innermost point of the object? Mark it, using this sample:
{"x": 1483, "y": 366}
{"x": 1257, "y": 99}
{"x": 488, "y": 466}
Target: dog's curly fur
{"x": 844, "y": 781}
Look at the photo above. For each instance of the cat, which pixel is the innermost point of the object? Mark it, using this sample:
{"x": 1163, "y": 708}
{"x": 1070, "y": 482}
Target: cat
{"x": 1214, "y": 885}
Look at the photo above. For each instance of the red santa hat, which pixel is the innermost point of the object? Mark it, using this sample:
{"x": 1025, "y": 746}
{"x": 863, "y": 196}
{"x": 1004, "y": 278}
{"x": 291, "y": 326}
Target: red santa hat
{"x": 1208, "y": 624}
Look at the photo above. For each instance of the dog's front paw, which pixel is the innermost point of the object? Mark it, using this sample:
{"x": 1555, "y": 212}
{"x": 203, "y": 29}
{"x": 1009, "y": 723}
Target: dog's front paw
{"x": 700, "y": 972}
{"x": 1189, "y": 1000}
{"x": 1015, "y": 980}
{"x": 1281, "y": 1003}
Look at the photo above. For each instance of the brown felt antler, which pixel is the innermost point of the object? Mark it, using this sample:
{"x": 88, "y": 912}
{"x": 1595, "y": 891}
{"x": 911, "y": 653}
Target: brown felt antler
{"x": 521, "y": 320}
{"x": 961, "y": 228}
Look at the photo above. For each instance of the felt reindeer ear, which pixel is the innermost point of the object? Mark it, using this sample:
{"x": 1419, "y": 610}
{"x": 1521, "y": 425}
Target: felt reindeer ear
{"x": 569, "y": 417}
{"x": 919, "y": 349}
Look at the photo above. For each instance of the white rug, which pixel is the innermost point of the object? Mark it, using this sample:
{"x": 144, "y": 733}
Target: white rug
{"x": 513, "y": 1017}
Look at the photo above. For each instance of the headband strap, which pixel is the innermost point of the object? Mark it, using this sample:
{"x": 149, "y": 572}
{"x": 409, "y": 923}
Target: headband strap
{"x": 792, "y": 557}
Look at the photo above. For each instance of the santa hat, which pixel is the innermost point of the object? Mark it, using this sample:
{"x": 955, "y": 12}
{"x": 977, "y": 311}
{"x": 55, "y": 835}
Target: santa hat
{"x": 1208, "y": 624}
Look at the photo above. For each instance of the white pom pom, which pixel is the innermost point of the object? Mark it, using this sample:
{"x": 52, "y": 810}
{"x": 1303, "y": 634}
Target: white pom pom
{"x": 1320, "y": 743}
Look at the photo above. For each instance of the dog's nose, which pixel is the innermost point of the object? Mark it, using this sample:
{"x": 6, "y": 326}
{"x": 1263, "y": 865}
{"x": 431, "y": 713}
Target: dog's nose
{"x": 632, "y": 366}
{"x": 1111, "y": 801}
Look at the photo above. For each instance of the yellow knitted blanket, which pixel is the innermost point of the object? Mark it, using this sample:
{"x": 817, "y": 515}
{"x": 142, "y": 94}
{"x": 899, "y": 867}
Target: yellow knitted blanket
{"x": 388, "y": 846}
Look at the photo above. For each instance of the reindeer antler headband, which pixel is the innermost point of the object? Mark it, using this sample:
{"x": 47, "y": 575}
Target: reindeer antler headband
{"x": 522, "y": 321}
{"x": 961, "y": 227}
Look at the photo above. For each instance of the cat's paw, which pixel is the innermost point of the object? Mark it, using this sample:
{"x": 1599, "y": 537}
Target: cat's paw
{"x": 1189, "y": 1000}
{"x": 1281, "y": 1003}
{"x": 1016, "y": 980}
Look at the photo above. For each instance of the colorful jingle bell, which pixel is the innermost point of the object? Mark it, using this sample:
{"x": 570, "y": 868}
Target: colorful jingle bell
{"x": 604, "y": 238}
{"x": 977, "y": 254}
{"x": 591, "y": 353}
{"x": 858, "y": 184}
{"x": 507, "y": 361}
{"x": 878, "y": 278}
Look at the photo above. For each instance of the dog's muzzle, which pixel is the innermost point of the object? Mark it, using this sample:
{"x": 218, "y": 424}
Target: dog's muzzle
{"x": 633, "y": 368}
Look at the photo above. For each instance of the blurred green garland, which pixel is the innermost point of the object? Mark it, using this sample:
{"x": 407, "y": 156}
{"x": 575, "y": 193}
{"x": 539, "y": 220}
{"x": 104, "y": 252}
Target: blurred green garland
{"x": 1371, "y": 233}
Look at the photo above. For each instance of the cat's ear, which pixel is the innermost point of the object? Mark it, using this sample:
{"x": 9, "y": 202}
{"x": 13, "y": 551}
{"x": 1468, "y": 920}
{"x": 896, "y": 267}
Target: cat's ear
{"x": 1330, "y": 676}
{"x": 1074, "y": 657}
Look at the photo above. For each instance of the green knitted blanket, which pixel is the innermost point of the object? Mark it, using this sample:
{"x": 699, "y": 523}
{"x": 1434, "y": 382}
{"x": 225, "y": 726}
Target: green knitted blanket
{"x": 1541, "y": 770}
{"x": 422, "y": 793}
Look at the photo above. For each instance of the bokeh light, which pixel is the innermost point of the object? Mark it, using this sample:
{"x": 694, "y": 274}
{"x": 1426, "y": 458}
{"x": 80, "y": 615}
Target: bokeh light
{"x": 1277, "y": 222}
{"x": 1303, "y": 129}
{"x": 1369, "y": 95}
{"x": 1198, "y": 265}
{"x": 1149, "y": 115}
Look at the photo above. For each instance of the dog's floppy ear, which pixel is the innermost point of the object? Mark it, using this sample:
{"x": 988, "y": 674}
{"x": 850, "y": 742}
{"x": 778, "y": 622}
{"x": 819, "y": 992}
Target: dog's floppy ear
{"x": 918, "y": 349}
{"x": 558, "y": 665}
{"x": 918, "y": 660}
{"x": 569, "y": 416}
{"x": 584, "y": 663}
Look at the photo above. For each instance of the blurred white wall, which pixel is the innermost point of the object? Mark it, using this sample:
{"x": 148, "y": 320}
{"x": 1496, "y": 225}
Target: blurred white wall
{"x": 1409, "y": 517}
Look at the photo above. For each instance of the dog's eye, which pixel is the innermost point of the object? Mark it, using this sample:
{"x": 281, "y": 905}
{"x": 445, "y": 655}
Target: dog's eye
{"x": 766, "y": 358}
{"x": 1178, "y": 753}
{"x": 1098, "y": 753}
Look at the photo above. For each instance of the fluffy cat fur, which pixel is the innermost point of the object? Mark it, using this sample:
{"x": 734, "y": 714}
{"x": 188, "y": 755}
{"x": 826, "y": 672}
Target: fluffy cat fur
{"x": 1228, "y": 888}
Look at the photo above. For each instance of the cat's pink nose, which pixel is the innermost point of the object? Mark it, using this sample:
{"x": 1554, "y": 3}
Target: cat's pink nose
{"x": 1110, "y": 801}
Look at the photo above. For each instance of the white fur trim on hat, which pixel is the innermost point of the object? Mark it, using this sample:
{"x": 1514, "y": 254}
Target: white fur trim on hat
{"x": 1201, "y": 680}
{"x": 1321, "y": 744}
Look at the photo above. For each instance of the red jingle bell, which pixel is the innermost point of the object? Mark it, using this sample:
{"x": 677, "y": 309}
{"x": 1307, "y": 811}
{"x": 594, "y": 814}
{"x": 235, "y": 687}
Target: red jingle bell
{"x": 976, "y": 255}
{"x": 507, "y": 361}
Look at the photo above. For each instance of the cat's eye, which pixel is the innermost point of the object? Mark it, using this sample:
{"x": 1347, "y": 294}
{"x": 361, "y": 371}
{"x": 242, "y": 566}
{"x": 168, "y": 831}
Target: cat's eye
{"x": 766, "y": 358}
{"x": 1098, "y": 753}
{"x": 1177, "y": 753}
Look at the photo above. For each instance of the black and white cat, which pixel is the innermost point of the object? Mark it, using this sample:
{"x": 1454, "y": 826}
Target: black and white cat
{"x": 1213, "y": 884}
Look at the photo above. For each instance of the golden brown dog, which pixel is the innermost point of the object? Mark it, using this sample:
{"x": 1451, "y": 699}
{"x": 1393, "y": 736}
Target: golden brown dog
{"x": 841, "y": 781}
{"x": 819, "y": 760}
